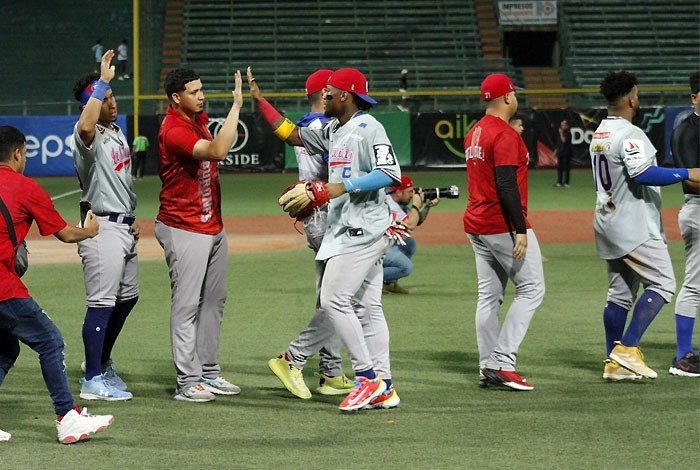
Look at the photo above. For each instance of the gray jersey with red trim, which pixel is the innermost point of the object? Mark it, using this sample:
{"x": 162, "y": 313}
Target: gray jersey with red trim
{"x": 104, "y": 169}
{"x": 312, "y": 167}
{"x": 358, "y": 219}
{"x": 627, "y": 213}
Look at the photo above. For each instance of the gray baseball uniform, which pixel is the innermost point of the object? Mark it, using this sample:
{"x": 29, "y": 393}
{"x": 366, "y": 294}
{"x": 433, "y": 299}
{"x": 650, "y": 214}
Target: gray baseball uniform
{"x": 627, "y": 222}
{"x": 314, "y": 167}
{"x": 498, "y": 347}
{"x": 354, "y": 242}
{"x": 110, "y": 263}
{"x": 686, "y": 154}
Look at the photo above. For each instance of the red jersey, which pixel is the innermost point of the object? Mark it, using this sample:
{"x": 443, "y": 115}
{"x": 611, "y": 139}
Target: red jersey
{"x": 491, "y": 143}
{"x": 190, "y": 197}
{"x": 26, "y": 201}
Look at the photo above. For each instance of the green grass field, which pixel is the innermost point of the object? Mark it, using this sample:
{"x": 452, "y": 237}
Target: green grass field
{"x": 572, "y": 419}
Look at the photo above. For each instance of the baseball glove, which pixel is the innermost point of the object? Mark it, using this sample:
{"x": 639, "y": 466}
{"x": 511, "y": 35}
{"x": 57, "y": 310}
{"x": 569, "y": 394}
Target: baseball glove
{"x": 301, "y": 199}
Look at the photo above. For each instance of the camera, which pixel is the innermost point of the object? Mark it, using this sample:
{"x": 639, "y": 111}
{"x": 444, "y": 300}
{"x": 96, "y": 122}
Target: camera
{"x": 432, "y": 193}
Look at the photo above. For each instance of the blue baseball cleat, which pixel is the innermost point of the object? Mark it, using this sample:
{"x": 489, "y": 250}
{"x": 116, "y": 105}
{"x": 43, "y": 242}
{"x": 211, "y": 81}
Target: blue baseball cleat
{"x": 97, "y": 388}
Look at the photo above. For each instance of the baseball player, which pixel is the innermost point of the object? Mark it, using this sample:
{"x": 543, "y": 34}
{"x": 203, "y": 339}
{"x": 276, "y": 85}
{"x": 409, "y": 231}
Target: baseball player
{"x": 288, "y": 366}
{"x": 628, "y": 228}
{"x": 21, "y": 318}
{"x": 504, "y": 244}
{"x": 103, "y": 164}
{"x": 190, "y": 229}
{"x": 361, "y": 164}
{"x": 685, "y": 145}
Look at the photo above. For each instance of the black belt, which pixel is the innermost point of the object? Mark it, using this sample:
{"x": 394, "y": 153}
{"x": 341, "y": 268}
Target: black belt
{"x": 122, "y": 219}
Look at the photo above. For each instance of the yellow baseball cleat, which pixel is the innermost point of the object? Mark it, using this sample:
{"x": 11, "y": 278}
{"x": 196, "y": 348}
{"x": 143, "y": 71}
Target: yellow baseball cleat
{"x": 614, "y": 372}
{"x": 339, "y": 385}
{"x": 631, "y": 358}
{"x": 290, "y": 377}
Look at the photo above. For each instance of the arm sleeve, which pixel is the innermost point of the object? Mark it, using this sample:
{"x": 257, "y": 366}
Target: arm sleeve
{"x": 372, "y": 181}
{"x": 507, "y": 185}
{"x": 658, "y": 176}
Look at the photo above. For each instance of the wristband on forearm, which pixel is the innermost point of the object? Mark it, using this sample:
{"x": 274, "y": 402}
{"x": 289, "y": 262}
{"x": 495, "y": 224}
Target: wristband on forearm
{"x": 271, "y": 116}
{"x": 99, "y": 90}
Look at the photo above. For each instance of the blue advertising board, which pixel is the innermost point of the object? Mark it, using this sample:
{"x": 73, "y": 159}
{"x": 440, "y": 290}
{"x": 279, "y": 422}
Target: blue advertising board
{"x": 49, "y": 142}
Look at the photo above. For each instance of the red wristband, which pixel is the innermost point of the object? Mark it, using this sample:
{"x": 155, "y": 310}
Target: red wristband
{"x": 269, "y": 113}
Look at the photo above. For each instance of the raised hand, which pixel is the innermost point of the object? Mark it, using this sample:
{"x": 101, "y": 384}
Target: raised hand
{"x": 107, "y": 70}
{"x": 238, "y": 90}
{"x": 254, "y": 89}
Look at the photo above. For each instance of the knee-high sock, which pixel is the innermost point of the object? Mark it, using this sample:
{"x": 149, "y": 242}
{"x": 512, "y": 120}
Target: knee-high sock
{"x": 614, "y": 319}
{"x": 684, "y": 335}
{"x": 645, "y": 310}
{"x": 115, "y": 325}
{"x": 94, "y": 329}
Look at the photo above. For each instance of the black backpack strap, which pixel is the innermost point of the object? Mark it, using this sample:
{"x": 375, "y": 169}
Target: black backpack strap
{"x": 8, "y": 220}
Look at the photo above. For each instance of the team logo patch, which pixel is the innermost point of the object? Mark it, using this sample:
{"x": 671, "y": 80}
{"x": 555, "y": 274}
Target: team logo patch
{"x": 633, "y": 146}
{"x": 384, "y": 155}
{"x": 633, "y": 151}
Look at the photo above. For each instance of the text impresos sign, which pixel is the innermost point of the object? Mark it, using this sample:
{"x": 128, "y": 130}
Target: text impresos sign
{"x": 527, "y": 13}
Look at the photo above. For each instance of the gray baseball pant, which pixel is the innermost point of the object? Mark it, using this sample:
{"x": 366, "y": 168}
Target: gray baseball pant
{"x": 198, "y": 268}
{"x": 688, "y": 300}
{"x": 330, "y": 362}
{"x": 498, "y": 348}
{"x": 351, "y": 280}
{"x": 110, "y": 264}
{"x": 648, "y": 264}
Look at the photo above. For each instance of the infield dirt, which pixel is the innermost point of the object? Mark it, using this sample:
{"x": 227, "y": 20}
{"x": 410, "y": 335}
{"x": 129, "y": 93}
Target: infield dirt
{"x": 272, "y": 233}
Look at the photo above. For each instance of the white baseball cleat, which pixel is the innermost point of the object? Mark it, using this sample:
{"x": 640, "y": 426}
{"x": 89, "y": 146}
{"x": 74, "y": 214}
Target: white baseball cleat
{"x": 4, "y": 436}
{"x": 74, "y": 426}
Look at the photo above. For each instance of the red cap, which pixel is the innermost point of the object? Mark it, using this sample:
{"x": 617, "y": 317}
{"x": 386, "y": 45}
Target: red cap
{"x": 317, "y": 81}
{"x": 353, "y": 81}
{"x": 495, "y": 86}
{"x": 406, "y": 183}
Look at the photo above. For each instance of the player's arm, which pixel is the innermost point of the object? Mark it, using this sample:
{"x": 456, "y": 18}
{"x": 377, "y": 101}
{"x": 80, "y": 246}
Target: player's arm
{"x": 71, "y": 234}
{"x": 218, "y": 148}
{"x": 509, "y": 195}
{"x": 660, "y": 176}
{"x": 91, "y": 111}
{"x": 283, "y": 128}
{"x": 375, "y": 179}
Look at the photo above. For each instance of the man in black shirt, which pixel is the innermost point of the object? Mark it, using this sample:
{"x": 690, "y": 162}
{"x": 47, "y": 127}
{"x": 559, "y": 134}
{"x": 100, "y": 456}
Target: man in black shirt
{"x": 685, "y": 146}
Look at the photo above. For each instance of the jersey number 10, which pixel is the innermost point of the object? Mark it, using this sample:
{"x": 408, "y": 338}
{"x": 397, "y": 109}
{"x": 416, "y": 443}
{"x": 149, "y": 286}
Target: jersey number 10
{"x": 601, "y": 172}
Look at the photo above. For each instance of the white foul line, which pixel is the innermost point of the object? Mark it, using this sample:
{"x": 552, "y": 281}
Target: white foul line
{"x": 66, "y": 194}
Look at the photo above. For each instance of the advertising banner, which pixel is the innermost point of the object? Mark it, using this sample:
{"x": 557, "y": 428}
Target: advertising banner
{"x": 527, "y": 13}
{"x": 583, "y": 123}
{"x": 438, "y": 138}
{"x": 256, "y": 148}
{"x": 49, "y": 142}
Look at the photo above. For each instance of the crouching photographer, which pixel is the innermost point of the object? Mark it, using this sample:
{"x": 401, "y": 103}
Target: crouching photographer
{"x": 410, "y": 206}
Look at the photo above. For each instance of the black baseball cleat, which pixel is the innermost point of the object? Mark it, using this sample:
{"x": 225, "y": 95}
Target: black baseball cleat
{"x": 686, "y": 366}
